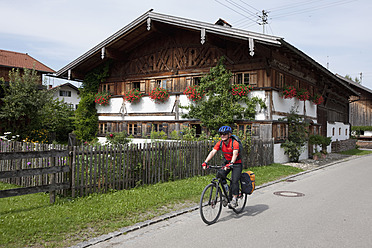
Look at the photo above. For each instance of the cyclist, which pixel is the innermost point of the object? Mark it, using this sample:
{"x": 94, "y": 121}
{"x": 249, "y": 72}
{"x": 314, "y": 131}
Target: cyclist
{"x": 232, "y": 161}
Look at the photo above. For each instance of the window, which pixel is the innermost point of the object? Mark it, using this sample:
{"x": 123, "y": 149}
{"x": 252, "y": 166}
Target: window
{"x": 161, "y": 83}
{"x": 280, "y": 83}
{"x": 108, "y": 88}
{"x": 245, "y": 129}
{"x": 198, "y": 129}
{"x": 102, "y": 128}
{"x": 132, "y": 129}
{"x": 157, "y": 127}
{"x": 346, "y": 131}
{"x": 136, "y": 85}
{"x": 339, "y": 131}
{"x": 65, "y": 93}
{"x": 242, "y": 78}
{"x": 333, "y": 131}
{"x": 197, "y": 80}
{"x": 279, "y": 131}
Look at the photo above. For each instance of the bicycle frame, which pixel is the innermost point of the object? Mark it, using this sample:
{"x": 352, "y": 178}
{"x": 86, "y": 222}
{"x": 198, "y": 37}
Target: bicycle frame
{"x": 214, "y": 196}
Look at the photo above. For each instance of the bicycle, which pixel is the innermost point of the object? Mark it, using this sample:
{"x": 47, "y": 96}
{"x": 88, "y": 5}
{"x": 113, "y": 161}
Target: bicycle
{"x": 213, "y": 198}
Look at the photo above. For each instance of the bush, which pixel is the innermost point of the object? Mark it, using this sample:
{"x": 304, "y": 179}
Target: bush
{"x": 118, "y": 138}
{"x": 158, "y": 135}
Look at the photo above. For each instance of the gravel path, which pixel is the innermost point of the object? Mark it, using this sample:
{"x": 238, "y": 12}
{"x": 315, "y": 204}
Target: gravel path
{"x": 308, "y": 164}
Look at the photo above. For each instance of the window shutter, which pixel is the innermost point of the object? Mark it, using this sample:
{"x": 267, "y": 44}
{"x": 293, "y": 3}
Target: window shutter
{"x": 143, "y": 86}
{"x": 169, "y": 85}
{"x": 253, "y": 79}
{"x": 152, "y": 85}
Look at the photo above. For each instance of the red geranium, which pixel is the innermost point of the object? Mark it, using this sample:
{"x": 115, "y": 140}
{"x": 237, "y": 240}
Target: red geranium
{"x": 103, "y": 98}
{"x": 193, "y": 94}
{"x": 318, "y": 99}
{"x": 240, "y": 90}
{"x": 159, "y": 95}
{"x": 289, "y": 92}
{"x": 133, "y": 96}
{"x": 303, "y": 95}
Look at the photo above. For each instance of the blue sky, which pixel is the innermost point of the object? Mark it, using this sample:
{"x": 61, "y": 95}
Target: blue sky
{"x": 336, "y": 33}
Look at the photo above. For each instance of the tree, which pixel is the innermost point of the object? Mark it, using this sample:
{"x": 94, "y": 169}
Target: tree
{"x": 219, "y": 106}
{"x": 28, "y": 108}
{"x": 356, "y": 80}
{"x": 297, "y": 136}
{"x": 58, "y": 118}
{"x": 23, "y": 102}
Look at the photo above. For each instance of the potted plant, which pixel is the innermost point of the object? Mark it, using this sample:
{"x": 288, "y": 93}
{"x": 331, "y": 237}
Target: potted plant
{"x": 319, "y": 140}
{"x": 159, "y": 95}
{"x": 103, "y": 98}
{"x": 133, "y": 96}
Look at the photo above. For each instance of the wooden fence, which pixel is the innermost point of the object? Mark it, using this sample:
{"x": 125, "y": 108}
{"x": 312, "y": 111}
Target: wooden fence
{"x": 96, "y": 169}
{"x": 36, "y": 168}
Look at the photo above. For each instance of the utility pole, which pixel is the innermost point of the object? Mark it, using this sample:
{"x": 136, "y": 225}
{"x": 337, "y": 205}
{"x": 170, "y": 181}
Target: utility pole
{"x": 361, "y": 77}
{"x": 263, "y": 20}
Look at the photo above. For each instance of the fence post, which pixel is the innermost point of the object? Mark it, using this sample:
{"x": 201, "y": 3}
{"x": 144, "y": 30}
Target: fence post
{"x": 72, "y": 162}
{"x": 52, "y": 194}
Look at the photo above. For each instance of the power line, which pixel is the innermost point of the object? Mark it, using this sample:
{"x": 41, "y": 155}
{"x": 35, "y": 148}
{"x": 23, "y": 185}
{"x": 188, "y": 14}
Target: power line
{"x": 314, "y": 8}
{"x": 235, "y": 11}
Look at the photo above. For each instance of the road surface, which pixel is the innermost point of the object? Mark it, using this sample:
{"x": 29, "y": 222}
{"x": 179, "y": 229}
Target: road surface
{"x": 329, "y": 207}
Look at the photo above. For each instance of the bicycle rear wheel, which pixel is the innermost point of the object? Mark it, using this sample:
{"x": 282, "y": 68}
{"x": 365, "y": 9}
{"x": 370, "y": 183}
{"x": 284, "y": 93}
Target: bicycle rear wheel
{"x": 210, "y": 204}
{"x": 242, "y": 200}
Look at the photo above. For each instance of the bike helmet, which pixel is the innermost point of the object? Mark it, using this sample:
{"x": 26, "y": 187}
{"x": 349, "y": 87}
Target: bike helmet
{"x": 225, "y": 129}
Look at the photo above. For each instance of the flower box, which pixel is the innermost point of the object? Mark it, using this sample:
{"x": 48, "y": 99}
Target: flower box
{"x": 102, "y": 98}
{"x": 133, "y": 96}
{"x": 159, "y": 95}
{"x": 193, "y": 94}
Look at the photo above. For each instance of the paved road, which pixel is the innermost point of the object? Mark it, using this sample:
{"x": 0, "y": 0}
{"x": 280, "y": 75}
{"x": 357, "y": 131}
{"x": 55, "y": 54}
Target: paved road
{"x": 335, "y": 211}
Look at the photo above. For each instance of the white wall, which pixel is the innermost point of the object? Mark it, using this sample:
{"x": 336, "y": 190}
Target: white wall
{"x": 74, "y": 99}
{"x": 337, "y": 131}
{"x": 145, "y": 105}
{"x": 285, "y": 105}
{"x": 280, "y": 157}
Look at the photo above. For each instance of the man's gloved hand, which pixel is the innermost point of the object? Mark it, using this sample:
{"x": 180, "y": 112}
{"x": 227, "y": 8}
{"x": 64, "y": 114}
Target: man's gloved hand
{"x": 227, "y": 166}
{"x": 205, "y": 165}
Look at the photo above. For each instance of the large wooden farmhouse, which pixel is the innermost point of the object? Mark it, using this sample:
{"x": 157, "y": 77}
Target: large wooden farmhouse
{"x": 158, "y": 50}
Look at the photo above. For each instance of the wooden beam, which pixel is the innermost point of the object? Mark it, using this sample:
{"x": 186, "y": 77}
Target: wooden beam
{"x": 34, "y": 171}
{"x": 33, "y": 190}
{"x": 33, "y": 154}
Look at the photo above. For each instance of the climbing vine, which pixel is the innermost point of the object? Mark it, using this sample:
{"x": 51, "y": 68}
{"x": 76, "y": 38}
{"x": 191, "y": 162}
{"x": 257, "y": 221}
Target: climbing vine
{"x": 86, "y": 119}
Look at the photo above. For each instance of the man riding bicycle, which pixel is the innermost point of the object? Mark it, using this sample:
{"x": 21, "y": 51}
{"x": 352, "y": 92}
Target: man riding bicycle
{"x": 232, "y": 161}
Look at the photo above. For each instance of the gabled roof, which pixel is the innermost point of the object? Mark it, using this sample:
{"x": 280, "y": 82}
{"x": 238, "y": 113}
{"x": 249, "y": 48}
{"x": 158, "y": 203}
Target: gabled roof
{"x": 143, "y": 24}
{"x": 67, "y": 85}
{"x": 22, "y": 60}
{"x": 356, "y": 85}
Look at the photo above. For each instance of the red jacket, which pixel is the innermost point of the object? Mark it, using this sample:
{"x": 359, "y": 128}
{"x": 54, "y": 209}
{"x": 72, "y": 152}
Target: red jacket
{"x": 227, "y": 150}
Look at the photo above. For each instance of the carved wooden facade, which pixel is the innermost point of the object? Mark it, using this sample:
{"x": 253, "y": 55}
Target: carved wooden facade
{"x": 173, "y": 53}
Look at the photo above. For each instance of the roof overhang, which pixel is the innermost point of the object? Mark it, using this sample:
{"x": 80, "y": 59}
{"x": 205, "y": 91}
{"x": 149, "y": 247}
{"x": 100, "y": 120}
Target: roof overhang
{"x": 143, "y": 24}
{"x": 317, "y": 65}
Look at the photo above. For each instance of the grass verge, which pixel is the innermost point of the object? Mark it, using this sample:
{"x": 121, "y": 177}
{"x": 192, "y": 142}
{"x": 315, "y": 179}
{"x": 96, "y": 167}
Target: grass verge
{"x": 356, "y": 152}
{"x": 30, "y": 221}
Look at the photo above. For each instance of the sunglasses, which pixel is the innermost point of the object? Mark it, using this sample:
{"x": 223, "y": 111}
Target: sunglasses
{"x": 224, "y": 133}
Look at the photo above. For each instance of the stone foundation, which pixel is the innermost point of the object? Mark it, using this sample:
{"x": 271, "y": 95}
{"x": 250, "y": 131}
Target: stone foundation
{"x": 364, "y": 144}
{"x": 343, "y": 145}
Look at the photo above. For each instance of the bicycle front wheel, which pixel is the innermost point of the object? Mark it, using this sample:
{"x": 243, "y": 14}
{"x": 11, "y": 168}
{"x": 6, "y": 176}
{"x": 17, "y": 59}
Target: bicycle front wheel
{"x": 210, "y": 204}
{"x": 241, "y": 200}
